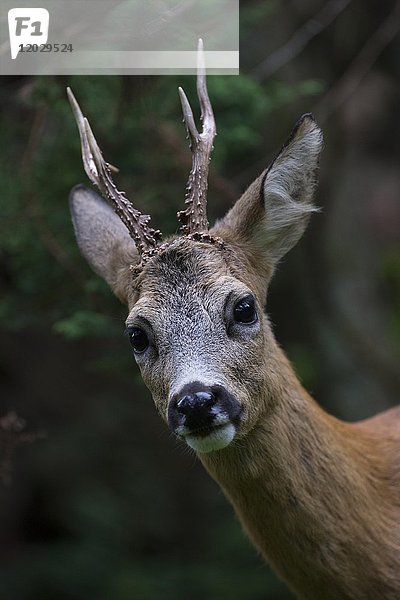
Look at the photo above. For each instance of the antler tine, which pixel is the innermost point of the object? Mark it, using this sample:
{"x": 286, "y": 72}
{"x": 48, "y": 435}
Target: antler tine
{"x": 98, "y": 171}
{"x": 207, "y": 115}
{"x": 194, "y": 217}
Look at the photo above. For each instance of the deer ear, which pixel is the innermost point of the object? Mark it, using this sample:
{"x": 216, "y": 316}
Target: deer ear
{"x": 273, "y": 213}
{"x": 103, "y": 239}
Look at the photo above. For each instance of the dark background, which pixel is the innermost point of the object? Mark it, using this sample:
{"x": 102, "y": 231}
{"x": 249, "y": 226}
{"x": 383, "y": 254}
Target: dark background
{"x": 97, "y": 500}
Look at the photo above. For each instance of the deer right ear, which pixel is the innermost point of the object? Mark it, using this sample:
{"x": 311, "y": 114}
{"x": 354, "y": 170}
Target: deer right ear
{"x": 103, "y": 239}
{"x": 273, "y": 213}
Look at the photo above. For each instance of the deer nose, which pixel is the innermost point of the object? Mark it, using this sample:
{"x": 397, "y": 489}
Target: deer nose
{"x": 199, "y": 402}
{"x": 195, "y": 409}
{"x": 192, "y": 408}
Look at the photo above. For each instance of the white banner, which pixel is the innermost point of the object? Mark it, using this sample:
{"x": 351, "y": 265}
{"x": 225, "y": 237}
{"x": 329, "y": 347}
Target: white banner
{"x": 109, "y": 37}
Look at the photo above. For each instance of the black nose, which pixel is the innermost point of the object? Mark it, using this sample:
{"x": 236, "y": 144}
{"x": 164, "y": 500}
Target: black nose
{"x": 196, "y": 409}
{"x": 192, "y": 407}
{"x": 198, "y": 402}
{"x": 199, "y": 408}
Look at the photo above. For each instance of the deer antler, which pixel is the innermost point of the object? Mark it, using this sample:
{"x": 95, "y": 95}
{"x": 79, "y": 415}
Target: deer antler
{"x": 194, "y": 217}
{"x": 99, "y": 173}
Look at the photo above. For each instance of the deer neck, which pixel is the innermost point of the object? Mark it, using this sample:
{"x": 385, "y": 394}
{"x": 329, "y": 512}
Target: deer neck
{"x": 304, "y": 491}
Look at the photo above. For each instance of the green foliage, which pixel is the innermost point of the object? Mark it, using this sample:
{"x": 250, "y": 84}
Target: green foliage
{"x": 84, "y": 323}
{"x": 242, "y": 107}
{"x": 257, "y": 12}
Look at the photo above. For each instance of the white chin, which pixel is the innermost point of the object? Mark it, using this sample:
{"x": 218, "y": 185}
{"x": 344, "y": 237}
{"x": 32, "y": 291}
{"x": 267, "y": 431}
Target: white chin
{"x": 219, "y": 438}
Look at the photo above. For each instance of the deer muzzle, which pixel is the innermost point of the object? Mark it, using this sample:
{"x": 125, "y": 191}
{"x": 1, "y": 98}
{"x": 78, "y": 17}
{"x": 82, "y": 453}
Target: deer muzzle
{"x": 206, "y": 417}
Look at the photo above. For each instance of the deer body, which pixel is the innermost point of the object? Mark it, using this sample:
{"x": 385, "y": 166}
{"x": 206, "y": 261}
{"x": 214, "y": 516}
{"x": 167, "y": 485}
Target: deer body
{"x": 320, "y": 498}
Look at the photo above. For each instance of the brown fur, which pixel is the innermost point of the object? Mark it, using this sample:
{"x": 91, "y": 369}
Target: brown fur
{"x": 320, "y": 498}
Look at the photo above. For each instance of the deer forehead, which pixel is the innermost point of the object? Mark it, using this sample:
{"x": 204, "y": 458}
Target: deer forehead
{"x": 185, "y": 289}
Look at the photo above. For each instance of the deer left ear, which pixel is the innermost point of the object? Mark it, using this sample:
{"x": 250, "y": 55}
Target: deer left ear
{"x": 273, "y": 213}
{"x": 103, "y": 240}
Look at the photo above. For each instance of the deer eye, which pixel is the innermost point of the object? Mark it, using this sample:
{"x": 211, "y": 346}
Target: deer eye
{"x": 245, "y": 311}
{"x": 138, "y": 338}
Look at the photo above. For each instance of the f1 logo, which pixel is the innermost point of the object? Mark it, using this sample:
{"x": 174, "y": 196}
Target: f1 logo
{"x": 27, "y": 26}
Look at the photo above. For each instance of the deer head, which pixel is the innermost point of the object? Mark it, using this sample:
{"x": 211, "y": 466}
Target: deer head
{"x": 196, "y": 302}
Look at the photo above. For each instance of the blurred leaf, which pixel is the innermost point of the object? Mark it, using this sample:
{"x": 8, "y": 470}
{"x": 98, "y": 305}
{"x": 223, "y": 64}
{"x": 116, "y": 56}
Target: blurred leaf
{"x": 81, "y": 324}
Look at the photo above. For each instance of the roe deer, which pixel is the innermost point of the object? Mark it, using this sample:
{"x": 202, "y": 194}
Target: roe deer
{"x": 319, "y": 498}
